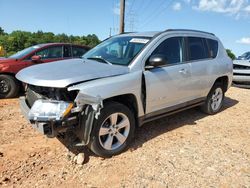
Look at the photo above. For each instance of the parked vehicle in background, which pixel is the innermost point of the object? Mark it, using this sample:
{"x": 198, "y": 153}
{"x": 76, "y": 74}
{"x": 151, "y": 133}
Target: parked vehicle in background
{"x": 241, "y": 73}
{"x": 123, "y": 82}
{"x": 41, "y": 53}
{"x": 245, "y": 56}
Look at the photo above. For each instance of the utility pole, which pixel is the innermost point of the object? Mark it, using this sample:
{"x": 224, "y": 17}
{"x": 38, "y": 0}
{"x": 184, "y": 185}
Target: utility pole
{"x": 122, "y": 15}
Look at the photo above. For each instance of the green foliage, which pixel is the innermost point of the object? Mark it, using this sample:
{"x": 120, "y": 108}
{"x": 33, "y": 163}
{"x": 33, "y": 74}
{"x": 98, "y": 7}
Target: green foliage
{"x": 18, "y": 40}
{"x": 1, "y": 31}
{"x": 231, "y": 54}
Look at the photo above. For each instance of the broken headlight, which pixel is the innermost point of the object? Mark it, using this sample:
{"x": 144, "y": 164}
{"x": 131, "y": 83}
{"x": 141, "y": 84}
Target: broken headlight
{"x": 46, "y": 110}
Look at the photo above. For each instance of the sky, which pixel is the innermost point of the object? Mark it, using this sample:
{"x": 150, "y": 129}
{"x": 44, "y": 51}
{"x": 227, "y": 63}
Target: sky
{"x": 227, "y": 19}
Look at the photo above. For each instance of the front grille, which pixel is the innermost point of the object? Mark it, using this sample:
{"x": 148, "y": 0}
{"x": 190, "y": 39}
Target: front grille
{"x": 241, "y": 74}
{"x": 34, "y": 93}
{"x": 241, "y": 67}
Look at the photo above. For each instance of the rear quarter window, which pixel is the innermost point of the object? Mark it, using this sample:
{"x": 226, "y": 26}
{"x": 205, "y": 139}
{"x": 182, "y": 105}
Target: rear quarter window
{"x": 212, "y": 47}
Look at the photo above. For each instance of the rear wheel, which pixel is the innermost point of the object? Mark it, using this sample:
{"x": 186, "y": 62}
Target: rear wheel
{"x": 9, "y": 86}
{"x": 214, "y": 99}
{"x": 113, "y": 130}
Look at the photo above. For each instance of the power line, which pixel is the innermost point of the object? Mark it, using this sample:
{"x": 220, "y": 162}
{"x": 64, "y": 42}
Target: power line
{"x": 156, "y": 13}
{"x": 131, "y": 7}
{"x": 145, "y": 5}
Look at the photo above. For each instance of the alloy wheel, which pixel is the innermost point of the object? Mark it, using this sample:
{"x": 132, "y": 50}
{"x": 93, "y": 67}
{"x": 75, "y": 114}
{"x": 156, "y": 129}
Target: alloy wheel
{"x": 217, "y": 99}
{"x": 114, "y": 131}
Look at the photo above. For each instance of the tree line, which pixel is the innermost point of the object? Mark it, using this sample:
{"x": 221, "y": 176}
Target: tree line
{"x": 18, "y": 40}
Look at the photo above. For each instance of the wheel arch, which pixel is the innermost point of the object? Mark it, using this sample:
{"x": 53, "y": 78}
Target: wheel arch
{"x": 129, "y": 100}
{"x": 224, "y": 81}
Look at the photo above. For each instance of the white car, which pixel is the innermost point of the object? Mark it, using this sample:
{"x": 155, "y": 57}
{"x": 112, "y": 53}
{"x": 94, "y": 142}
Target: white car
{"x": 241, "y": 73}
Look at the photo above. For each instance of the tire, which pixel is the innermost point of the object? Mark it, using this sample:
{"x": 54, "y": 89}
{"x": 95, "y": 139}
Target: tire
{"x": 9, "y": 86}
{"x": 107, "y": 139}
{"x": 214, "y": 100}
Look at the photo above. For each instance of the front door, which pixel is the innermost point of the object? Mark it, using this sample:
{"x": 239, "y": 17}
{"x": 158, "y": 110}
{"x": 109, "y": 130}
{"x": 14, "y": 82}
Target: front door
{"x": 169, "y": 85}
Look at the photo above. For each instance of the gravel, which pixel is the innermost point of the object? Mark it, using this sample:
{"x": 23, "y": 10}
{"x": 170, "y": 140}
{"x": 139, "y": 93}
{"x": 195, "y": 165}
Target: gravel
{"x": 188, "y": 149}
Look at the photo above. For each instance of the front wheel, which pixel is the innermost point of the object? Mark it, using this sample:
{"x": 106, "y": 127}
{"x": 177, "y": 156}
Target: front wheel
{"x": 214, "y": 100}
{"x": 113, "y": 130}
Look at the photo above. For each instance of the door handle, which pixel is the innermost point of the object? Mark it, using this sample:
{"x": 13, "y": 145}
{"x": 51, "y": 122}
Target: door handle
{"x": 183, "y": 71}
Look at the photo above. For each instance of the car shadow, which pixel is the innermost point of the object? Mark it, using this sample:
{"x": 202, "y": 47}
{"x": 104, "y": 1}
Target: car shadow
{"x": 188, "y": 117}
{"x": 154, "y": 129}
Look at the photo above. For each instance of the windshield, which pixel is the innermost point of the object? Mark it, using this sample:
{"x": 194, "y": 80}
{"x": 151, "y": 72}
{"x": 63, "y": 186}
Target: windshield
{"x": 117, "y": 50}
{"x": 23, "y": 53}
{"x": 245, "y": 56}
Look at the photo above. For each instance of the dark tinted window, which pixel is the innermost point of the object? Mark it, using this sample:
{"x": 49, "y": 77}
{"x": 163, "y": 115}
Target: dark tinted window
{"x": 197, "y": 48}
{"x": 212, "y": 47}
{"x": 78, "y": 52}
{"x": 67, "y": 51}
{"x": 171, "y": 48}
{"x": 51, "y": 52}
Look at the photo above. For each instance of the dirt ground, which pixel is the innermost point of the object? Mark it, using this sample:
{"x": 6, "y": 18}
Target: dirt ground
{"x": 188, "y": 149}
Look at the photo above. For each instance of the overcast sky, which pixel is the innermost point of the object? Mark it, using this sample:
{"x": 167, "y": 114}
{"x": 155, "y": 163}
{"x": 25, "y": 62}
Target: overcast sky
{"x": 228, "y": 19}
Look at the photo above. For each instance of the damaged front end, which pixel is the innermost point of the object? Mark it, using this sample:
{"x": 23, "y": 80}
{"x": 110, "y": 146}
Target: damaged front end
{"x": 57, "y": 112}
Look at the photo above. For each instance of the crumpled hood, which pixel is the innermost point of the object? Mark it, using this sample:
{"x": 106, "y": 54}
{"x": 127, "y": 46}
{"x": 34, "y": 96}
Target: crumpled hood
{"x": 63, "y": 73}
{"x": 241, "y": 62}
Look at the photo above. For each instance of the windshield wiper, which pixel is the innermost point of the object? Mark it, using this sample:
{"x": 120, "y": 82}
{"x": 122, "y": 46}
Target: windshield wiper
{"x": 100, "y": 59}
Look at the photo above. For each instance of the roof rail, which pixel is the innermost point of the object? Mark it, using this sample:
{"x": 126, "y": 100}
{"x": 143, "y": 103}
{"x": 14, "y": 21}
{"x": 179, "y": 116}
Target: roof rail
{"x": 190, "y": 30}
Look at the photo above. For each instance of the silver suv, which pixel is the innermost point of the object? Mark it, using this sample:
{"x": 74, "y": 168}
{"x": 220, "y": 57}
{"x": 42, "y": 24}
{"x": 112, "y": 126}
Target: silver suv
{"x": 122, "y": 83}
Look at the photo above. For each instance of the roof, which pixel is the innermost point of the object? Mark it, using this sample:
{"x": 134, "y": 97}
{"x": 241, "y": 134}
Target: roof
{"x": 154, "y": 33}
{"x": 143, "y": 34}
{"x": 59, "y": 43}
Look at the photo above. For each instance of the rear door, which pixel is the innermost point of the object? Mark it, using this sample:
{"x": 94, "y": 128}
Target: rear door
{"x": 169, "y": 85}
{"x": 201, "y": 54}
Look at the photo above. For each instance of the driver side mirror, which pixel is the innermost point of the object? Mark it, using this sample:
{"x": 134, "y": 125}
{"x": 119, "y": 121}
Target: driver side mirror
{"x": 36, "y": 58}
{"x": 156, "y": 61}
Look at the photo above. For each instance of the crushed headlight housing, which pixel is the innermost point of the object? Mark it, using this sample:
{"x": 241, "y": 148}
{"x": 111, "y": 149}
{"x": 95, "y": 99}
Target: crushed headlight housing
{"x": 47, "y": 110}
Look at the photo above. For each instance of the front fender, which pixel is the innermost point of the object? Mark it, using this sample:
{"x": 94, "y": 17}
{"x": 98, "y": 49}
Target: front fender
{"x": 104, "y": 88}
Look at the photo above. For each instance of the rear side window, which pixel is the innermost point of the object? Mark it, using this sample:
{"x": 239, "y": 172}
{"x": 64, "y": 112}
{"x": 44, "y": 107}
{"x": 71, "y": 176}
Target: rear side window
{"x": 197, "y": 48}
{"x": 67, "y": 51}
{"x": 78, "y": 52}
{"x": 212, "y": 47}
{"x": 171, "y": 48}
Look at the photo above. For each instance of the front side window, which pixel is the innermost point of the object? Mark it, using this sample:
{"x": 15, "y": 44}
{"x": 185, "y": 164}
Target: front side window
{"x": 197, "y": 48}
{"x": 118, "y": 50}
{"x": 171, "y": 49}
{"x": 51, "y": 52}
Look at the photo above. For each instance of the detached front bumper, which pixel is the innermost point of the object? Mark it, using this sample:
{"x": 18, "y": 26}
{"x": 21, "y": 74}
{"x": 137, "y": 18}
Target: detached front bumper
{"x": 51, "y": 128}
